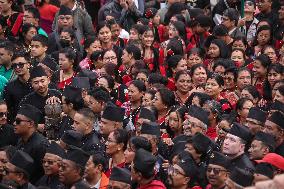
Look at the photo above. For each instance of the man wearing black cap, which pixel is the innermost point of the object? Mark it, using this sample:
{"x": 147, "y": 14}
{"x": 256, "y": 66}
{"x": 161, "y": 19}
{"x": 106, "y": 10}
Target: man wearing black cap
{"x": 239, "y": 178}
{"x": 72, "y": 169}
{"x": 83, "y": 123}
{"x": 255, "y": 120}
{"x": 112, "y": 118}
{"x": 221, "y": 32}
{"x": 49, "y": 66}
{"x": 262, "y": 144}
{"x": 31, "y": 141}
{"x": 230, "y": 20}
{"x": 197, "y": 121}
{"x": 145, "y": 115}
{"x": 120, "y": 178}
{"x": 42, "y": 94}
{"x": 71, "y": 138}
{"x": 51, "y": 163}
{"x": 266, "y": 12}
{"x": 234, "y": 147}
{"x": 19, "y": 170}
{"x": 142, "y": 170}
{"x": 17, "y": 89}
{"x": 274, "y": 125}
{"x": 183, "y": 173}
{"x": 97, "y": 100}
{"x": 217, "y": 171}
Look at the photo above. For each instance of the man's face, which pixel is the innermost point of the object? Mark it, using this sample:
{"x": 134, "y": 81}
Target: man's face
{"x": 21, "y": 66}
{"x": 3, "y": 162}
{"x": 232, "y": 145}
{"x": 21, "y": 124}
{"x": 253, "y": 125}
{"x": 177, "y": 177}
{"x": 190, "y": 148}
{"x": 91, "y": 169}
{"x": 281, "y": 13}
{"x": 227, "y": 22}
{"x": 80, "y": 123}
{"x": 3, "y": 114}
{"x": 256, "y": 150}
{"x": 65, "y": 21}
{"x": 264, "y": 5}
{"x": 95, "y": 105}
{"x": 51, "y": 164}
{"x": 192, "y": 126}
{"x": 29, "y": 18}
{"x": 249, "y": 7}
{"x": 216, "y": 175}
{"x": 5, "y": 57}
{"x": 68, "y": 172}
{"x": 272, "y": 128}
{"x": 37, "y": 49}
{"x": 106, "y": 127}
{"x": 40, "y": 85}
{"x": 10, "y": 173}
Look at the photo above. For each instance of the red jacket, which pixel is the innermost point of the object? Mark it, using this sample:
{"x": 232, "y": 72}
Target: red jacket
{"x": 155, "y": 184}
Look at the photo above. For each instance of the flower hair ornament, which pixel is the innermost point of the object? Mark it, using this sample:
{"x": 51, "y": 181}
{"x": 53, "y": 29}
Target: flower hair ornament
{"x": 170, "y": 52}
{"x": 149, "y": 13}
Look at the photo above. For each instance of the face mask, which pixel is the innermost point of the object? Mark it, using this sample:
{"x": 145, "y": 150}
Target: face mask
{"x": 64, "y": 43}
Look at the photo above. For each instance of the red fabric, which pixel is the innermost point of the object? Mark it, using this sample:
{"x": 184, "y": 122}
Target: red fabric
{"x": 171, "y": 84}
{"x": 211, "y": 132}
{"x": 62, "y": 84}
{"x": 155, "y": 184}
{"x": 17, "y": 25}
{"x": 162, "y": 67}
{"x": 48, "y": 11}
{"x": 108, "y": 172}
{"x": 163, "y": 33}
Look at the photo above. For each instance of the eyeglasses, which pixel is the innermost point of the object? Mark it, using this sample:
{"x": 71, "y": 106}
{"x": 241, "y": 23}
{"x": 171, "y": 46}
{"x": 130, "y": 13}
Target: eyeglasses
{"x": 110, "y": 58}
{"x": 18, "y": 65}
{"x": 216, "y": 171}
{"x": 173, "y": 171}
{"x": 18, "y": 121}
{"x": 2, "y": 114}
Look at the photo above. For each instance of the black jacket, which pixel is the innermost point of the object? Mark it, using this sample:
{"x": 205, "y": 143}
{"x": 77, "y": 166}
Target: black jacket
{"x": 242, "y": 162}
{"x": 7, "y": 135}
{"x": 50, "y": 181}
{"x": 91, "y": 143}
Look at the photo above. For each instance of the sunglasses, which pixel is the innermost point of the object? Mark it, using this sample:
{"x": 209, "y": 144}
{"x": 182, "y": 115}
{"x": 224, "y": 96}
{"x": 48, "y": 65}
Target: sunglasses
{"x": 249, "y": 3}
{"x": 18, "y": 65}
{"x": 216, "y": 171}
{"x": 18, "y": 121}
{"x": 2, "y": 114}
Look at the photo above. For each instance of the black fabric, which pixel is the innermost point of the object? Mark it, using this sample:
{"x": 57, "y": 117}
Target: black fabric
{"x": 55, "y": 149}
{"x": 64, "y": 10}
{"x": 188, "y": 165}
{"x": 201, "y": 143}
{"x": 277, "y": 118}
{"x": 217, "y": 158}
{"x": 265, "y": 169}
{"x": 50, "y": 181}
{"x": 199, "y": 113}
{"x": 257, "y": 114}
{"x": 241, "y": 177}
{"x": 37, "y": 71}
{"x": 30, "y": 112}
{"x": 242, "y": 162}
{"x": 91, "y": 143}
{"x": 7, "y": 135}
{"x": 144, "y": 161}
{"x": 72, "y": 138}
{"x": 121, "y": 175}
{"x": 150, "y": 128}
{"x": 23, "y": 161}
{"x": 77, "y": 155}
{"x": 113, "y": 113}
{"x": 241, "y": 132}
{"x": 266, "y": 138}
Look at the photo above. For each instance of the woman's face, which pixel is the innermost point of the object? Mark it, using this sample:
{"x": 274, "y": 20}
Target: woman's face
{"x": 273, "y": 77}
{"x": 263, "y": 37}
{"x": 110, "y": 56}
{"x": 278, "y": 96}
{"x": 183, "y": 84}
{"x": 259, "y": 69}
{"x": 213, "y": 51}
{"x": 105, "y": 35}
{"x": 221, "y": 127}
{"x": 29, "y": 35}
{"x": 134, "y": 94}
{"x": 148, "y": 38}
{"x": 133, "y": 35}
{"x": 64, "y": 62}
{"x": 220, "y": 70}
{"x": 229, "y": 80}
{"x": 126, "y": 57}
{"x": 174, "y": 122}
{"x": 158, "y": 102}
{"x": 129, "y": 153}
{"x": 5, "y": 5}
{"x": 194, "y": 59}
{"x": 246, "y": 94}
{"x": 238, "y": 56}
{"x": 102, "y": 82}
{"x": 181, "y": 66}
{"x": 111, "y": 145}
{"x": 238, "y": 45}
{"x": 199, "y": 76}
{"x": 95, "y": 46}
{"x": 212, "y": 88}
{"x": 173, "y": 32}
{"x": 270, "y": 52}
{"x": 156, "y": 20}
{"x": 147, "y": 100}
{"x": 244, "y": 79}
{"x": 245, "y": 109}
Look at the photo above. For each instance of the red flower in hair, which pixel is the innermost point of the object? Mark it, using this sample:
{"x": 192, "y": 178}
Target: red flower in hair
{"x": 149, "y": 13}
{"x": 250, "y": 66}
{"x": 225, "y": 107}
{"x": 170, "y": 52}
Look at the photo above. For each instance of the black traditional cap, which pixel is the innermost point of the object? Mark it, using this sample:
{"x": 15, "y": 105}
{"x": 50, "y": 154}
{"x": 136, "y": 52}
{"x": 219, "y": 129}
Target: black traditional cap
{"x": 144, "y": 161}
{"x": 204, "y": 21}
{"x": 181, "y": 138}
{"x": 199, "y": 113}
{"x": 265, "y": 169}
{"x": 77, "y": 155}
{"x": 241, "y": 177}
{"x": 217, "y": 158}
{"x": 82, "y": 185}
{"x": 177, "y": 148}
{"x": 150, "y": 128}
{"x": 220, "y": 30}
{"x": 121, "y": 175}
{"x": 188, "y": 165}
{"x": 72, "y": 138}
{"x": 81, "y": 83}
{"x": 89, "y": 74}
{"x": 194, "y": 12}
{"x": 50, "y": 63}
{"x": 37, "y": 71}
{"x": 23, "y": 161}
{"x": 145, "y": 113}
{"x": 64, "y": 10}
{"x": 277, "y": 118}
{"x": 277, "y": 106}
{"x": 257, "y": 114}
{"x": 55, "y": 149}
{"x": 201, "y": 143}
{"x": 113, "y": 113}
{"x": 266, "y": 138}
{"x": 240, "y": 131}
{"x": 72, "y": 94}
{"x": 30, "y": 112}
{"x": 232, "y": 14}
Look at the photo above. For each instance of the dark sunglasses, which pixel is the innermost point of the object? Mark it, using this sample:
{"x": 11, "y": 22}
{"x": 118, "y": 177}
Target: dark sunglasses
{"x": 216, "y": 171}
{"x": 2, "y": 114}
{"x": 249, "y": 3}
{"x": 18, "y": 120}
{"x": 18, "y": 65}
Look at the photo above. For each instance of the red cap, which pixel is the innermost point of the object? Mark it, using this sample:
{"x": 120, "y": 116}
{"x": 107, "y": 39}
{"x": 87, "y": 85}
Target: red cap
{"x": 273, "y": 159}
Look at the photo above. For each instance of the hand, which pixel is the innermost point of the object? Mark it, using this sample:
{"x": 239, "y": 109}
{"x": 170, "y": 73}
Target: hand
{"x": 242, "y": 22}
{"x": 53, "y": 100}
{"x": 262, "y": 103}
{"x": 168, "y": 141}
{"x": 40, "y": 128}
{"x": 166, "y": 165}
{"x": 123, "y": 4}
{"x": 129, "y": 2}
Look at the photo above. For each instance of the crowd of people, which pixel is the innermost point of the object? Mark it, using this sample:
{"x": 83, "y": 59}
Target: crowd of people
{"x": 134, "y": 94}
